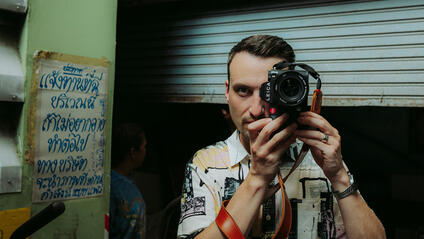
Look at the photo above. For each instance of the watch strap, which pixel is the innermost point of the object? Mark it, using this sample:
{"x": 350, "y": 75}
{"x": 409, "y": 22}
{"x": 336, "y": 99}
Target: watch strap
{"x": 348, "y": 191}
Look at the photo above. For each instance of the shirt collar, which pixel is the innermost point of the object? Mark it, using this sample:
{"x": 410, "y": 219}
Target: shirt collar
{"x": 235, "y": 149}
{"x": 238, "y": 152}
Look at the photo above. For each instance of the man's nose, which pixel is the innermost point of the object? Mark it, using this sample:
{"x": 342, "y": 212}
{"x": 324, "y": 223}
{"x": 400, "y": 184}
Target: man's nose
{"x": 257, "y": 107}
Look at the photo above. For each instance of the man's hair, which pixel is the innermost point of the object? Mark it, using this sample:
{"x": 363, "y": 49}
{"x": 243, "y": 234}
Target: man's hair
{"x": 125, "y": 137}
{"x": 262, "y": 46}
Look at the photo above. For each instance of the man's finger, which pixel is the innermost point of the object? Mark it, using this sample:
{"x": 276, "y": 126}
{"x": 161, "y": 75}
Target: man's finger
{"x": 314, "y": 134}
{"x": 316, "y": 143}
{"x": 283, "y": 146}
{"x": 318, "y": 123}
{"x": 257, "y": 126}
{"x": 279, "y": 138}
{"x": 310, "y": 114}
{"x": 270, "y": 128}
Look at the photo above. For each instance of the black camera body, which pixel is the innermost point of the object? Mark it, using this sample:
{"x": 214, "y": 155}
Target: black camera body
{"x": 286, "y": 91}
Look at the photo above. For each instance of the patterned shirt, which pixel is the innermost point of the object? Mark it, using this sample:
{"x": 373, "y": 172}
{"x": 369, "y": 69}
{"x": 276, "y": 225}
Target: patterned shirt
{"x": 215, "y": 172}
{"x": 127, "y": 209}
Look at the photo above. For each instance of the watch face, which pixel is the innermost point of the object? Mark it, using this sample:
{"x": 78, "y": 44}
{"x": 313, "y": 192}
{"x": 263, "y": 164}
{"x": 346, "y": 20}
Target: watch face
{"x": 351, "y": 179}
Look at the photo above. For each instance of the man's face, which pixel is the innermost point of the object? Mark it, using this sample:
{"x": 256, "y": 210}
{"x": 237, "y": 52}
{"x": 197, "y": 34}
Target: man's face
{"x": 247, "y": 73}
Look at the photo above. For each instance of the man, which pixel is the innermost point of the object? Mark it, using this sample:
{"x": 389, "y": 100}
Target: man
{"x": 127, "y": 207}
{"x": 242, "y": 167}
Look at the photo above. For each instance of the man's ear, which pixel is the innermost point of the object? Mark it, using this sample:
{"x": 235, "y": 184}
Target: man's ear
{"x": 227, "y": 89}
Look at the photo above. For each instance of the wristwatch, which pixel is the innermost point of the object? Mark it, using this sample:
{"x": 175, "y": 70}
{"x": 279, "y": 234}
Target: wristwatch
{"x": 349, "y": 190}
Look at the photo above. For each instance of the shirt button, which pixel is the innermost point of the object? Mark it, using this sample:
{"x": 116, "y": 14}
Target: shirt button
{"x": 268, "y": 217}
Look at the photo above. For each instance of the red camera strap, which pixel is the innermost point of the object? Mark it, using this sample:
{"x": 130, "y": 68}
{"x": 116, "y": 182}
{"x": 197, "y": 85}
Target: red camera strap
{"x": 226, "y": 223}
{"x": 228, "y": 226}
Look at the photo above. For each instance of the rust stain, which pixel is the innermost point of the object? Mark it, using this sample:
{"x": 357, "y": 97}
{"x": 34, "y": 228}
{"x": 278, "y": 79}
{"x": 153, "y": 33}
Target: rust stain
{"x": 43, "y": 54}
{"x": 377, "y": 101}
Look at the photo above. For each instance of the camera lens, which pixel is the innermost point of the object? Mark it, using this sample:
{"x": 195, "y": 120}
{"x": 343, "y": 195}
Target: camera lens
{"x": 291, "y": 87}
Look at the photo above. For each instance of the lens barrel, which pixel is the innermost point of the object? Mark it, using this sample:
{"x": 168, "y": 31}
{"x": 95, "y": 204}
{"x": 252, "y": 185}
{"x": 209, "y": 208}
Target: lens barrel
{"x": 291, "y": 88}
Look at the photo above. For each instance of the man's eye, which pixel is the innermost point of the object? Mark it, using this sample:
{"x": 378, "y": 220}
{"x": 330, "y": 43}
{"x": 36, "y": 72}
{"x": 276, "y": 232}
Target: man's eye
{"x": 243, "y": 91}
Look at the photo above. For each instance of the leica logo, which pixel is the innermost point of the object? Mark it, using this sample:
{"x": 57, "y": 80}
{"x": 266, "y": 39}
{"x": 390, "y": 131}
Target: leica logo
{"x": 268, "y": 93}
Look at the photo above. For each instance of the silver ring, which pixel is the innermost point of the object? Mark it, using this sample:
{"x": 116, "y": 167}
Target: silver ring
{"x": 325, "y": 138}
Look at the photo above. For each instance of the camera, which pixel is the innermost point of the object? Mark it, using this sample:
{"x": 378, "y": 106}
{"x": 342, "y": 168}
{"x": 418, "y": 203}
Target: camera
{"x": 287, "y": 89}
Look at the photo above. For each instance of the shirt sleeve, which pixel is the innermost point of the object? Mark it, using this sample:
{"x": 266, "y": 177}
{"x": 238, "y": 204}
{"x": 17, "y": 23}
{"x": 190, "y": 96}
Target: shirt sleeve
{"x": 199, "y": 202}
{"x": 135, "y": 216}
{"x": 127, "y": 213}
{"x": 140, "y": 224}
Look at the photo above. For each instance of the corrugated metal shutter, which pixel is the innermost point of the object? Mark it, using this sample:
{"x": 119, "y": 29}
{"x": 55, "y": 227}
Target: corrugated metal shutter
{"x": 368, "y": 53}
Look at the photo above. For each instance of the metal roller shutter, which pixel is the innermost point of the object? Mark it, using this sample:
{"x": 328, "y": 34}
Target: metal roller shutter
{"x": 368, "y": 53}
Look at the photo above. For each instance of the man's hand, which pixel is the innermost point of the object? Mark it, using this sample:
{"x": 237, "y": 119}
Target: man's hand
{"x": 327, "y": 154}
{"x": 358, "y": 219}
{"x": 266, "y": 152}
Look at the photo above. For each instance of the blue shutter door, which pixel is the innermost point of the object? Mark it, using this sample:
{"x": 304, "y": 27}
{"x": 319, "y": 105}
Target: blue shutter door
{"x": 368, "y": 53}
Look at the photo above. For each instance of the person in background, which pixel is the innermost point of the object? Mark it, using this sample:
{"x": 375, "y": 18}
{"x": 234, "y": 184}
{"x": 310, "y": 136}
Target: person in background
{"x": 127, "y": 207}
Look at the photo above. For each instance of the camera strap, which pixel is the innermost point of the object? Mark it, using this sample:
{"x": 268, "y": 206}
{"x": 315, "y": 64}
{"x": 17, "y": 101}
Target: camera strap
{"x": 309, "y": 69}
{"x": 229, "y": 227}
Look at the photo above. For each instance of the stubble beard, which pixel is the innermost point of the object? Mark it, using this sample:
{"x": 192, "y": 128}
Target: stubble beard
{"x": 244, "y": 137}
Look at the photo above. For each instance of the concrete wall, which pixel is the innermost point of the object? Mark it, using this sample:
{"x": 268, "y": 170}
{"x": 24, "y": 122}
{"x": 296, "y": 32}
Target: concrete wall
{"x": 77, "y": 27}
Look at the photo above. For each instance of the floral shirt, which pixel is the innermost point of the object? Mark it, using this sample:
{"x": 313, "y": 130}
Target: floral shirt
{"x": 127, "y": 209}
{"x": 215, "y": 172}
